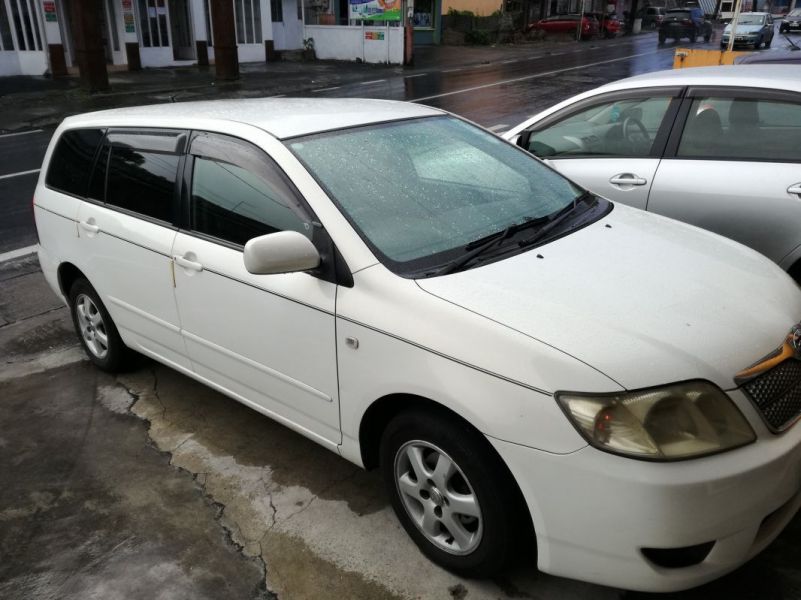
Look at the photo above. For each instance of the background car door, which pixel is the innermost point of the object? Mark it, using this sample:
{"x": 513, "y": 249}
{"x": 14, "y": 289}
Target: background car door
{"x": 736, "y": 168}
{"x": 127, "y": 230}
{"x": 267, "y": 339}
{"x": 611, "y": 145}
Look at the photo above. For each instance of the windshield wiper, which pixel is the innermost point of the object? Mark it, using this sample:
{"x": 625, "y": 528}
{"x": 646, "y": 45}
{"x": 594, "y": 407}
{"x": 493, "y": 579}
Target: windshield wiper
{"x": 557, "y": 219}
{"x": 487, "y": 243}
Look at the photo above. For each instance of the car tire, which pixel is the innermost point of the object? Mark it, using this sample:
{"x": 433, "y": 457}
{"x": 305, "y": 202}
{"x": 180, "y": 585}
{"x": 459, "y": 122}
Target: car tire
{"x": 768, "y": 42}
{"x": 661, "y": 39}
{"x": 485, "y": 539}
{"x": 693, "y": 36}
{"x": 96, "y": 330}
{"x": 707, "y": 37}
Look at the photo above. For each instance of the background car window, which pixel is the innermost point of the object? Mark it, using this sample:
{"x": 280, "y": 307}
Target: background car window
{"x": 616, "y": 128}
{"x": 243, "y": 195}
{"x": 742, "y": 128}
{"x": 72, "y": 160}
{"x": 143, "y": 182}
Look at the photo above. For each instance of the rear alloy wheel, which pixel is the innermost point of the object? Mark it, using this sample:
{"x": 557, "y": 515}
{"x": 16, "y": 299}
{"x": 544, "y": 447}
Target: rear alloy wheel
{"x": 451, "y": 493}
{"x": 96, "y": 331}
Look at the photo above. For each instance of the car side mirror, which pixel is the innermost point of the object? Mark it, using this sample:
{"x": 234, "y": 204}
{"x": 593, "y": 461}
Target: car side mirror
{"x": 281, "y": 252}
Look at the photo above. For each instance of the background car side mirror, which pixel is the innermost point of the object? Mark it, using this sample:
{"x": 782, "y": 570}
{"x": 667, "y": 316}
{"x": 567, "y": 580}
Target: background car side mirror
{"x": 281, "y": 252}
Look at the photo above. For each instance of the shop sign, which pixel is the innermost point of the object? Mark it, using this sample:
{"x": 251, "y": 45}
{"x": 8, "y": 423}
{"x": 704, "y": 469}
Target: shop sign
{"x": 375, "y": 10}
{"x": 128, "y": 19}
{"x": 127, "y": 5}
{"x": 49, "y": 8}
{"x": 374, "y": 35}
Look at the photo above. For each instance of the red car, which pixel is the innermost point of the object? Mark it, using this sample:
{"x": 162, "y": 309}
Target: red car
{"x": 568, "y": 24}
{"x": 609, "y": 25}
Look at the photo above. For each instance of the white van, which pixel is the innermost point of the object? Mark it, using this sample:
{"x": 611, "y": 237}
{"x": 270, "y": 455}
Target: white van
{"x": 517, "y": 355}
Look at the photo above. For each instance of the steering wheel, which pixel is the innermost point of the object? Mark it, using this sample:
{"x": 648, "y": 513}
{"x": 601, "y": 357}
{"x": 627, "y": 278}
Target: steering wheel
{"x": 635, "y": 133}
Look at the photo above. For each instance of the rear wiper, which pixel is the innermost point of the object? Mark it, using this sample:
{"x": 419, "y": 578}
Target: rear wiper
{"x": 557, "y": 219}
{"x": 487, "y": 243}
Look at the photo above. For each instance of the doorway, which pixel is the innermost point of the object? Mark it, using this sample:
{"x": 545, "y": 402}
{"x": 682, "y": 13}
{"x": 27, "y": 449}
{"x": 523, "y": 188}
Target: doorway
{"x": 183, "y": 47}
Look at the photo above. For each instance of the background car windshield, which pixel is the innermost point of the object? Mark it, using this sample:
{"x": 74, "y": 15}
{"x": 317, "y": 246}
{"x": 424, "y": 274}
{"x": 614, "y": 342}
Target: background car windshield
{"x": 752, "y": 19}
{"x": 421, "y": 187}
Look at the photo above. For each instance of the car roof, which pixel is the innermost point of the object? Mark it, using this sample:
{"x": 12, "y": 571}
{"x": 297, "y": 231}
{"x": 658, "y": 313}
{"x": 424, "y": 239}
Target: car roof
{"x": 782, "y": 77}
{"x": 281, "y": 117}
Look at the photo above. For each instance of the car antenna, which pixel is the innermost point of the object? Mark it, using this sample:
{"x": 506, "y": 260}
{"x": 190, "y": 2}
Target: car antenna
{"x": 793, "y": 45}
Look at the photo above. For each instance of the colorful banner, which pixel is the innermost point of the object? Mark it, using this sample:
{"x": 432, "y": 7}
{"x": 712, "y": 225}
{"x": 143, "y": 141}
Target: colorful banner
{"x": 375, "y": 10}
{"x": 49, "y": 8}
{"x": 374, "y": 35}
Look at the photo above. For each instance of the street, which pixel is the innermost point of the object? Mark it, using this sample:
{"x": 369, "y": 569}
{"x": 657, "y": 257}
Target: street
{"x": 152, "y": 485}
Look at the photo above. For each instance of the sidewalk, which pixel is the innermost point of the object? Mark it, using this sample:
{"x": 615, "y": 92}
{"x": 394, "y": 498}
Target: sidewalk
{"x": 27, "y": 102}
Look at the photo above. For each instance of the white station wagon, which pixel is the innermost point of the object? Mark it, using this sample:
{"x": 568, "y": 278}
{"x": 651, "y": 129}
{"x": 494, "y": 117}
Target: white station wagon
{"x": 517, "y": 355}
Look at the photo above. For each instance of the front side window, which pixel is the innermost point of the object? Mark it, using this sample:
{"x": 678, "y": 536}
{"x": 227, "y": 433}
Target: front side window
{"x": 72, "y": 160}
{"x": 420, "y": 188}
{"x": 742, "y": 129}
{"x": 239, "y": 193}
{"x": 616, "y": 128}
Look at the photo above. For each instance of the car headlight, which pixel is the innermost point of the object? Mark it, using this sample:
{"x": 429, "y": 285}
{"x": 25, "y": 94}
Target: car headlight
{"x": 675, "y": 422}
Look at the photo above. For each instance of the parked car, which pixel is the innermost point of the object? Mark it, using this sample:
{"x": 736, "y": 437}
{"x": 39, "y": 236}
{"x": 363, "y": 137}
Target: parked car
{"x": 569, "y": 24}
{"x": 712, "y": 146}
{"x": 784, "y": 57}
{"x": 417, "y": 295}
{"x": 687, "y": 23}
{"x": 753, "y": 29}
{"x": 608, "y": 24}
{"x": 652, "y": 17}
{"x": 791, "y": 21}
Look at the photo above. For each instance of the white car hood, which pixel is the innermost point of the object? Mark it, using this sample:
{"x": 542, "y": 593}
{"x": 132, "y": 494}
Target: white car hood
{"x": 744, "y": 29}
{"x": 643, "y": 299}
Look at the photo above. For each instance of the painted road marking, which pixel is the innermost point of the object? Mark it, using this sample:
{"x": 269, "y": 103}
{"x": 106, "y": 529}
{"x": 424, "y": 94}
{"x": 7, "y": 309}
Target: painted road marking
{"x": 452, "y": 70}
{"x": 536, "y": 76}
{"x": 12, "y": 254}
{"x": 20, "y": 174}
{"x": 371, "y": 82}
{"x": 418, "y": 75}
{"x": 328, "y": 89}
{"x": 506, "y": 62}
{"x": 5, "y": 135}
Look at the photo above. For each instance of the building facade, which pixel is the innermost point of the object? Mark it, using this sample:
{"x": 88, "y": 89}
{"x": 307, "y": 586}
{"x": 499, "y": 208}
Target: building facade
{"x": 36, "y": 36}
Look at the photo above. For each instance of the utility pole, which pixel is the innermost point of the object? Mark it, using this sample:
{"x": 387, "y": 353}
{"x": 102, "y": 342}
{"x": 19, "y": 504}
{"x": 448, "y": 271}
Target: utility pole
{"x": 89, "y": 52}
{"x": 226, "y": 58}
{"x": 734, "y": 21}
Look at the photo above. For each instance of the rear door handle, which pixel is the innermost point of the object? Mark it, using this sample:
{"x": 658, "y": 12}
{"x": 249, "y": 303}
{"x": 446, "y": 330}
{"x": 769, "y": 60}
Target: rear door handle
{"x": 794, "y": 189}
{"x": 185, "y": 262}
{"x": 90, "y": 226}
{"x": 627, "y": 179}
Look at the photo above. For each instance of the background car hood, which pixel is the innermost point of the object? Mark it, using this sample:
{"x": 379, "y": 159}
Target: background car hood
{"x": 644, "y": 299}
{"x": 744, "y": 29}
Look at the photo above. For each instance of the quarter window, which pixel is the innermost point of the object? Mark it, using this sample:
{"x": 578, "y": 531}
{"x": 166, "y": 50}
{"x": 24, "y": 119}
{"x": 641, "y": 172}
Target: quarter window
{"x": 617, "y": 128}
{"x": 72, "y": 160}
{"x": 742, "y": 128}
{"x": 239, "y": 193}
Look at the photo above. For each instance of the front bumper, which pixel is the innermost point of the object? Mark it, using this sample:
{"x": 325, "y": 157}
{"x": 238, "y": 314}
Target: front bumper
{"x": 594, "y": 512}
{"x": 740, "y": 41}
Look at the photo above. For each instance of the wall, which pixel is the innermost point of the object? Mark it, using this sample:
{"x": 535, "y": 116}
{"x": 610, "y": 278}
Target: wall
{"x": 335, "y": 42}
{"x": 481, "y": 8}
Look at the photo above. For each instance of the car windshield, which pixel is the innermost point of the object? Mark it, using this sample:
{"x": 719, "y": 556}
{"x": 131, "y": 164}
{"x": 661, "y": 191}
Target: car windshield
{"x": 795, "y": 13}
{"x": 752, "y": 19}
{"x": 418, "y": 189}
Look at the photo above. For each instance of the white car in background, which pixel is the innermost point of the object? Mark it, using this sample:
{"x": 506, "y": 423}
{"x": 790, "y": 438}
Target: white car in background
{"x": 717, "y": 147}
{"x": 517, "y": 355}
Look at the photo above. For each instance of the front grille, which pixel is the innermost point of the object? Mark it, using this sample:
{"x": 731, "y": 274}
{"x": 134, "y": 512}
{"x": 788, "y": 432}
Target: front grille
{"x": 777, "y": 394}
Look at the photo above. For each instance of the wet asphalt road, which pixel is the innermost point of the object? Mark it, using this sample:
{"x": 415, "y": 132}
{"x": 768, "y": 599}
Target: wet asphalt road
{"x": 497, "y": 96}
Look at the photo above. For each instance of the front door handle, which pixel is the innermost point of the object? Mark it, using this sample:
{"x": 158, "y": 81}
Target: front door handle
{"x": 186, "y": 262}
{"x": 794, "y": 189}
{"x": 627, "y": 179}
{"x": 90, "y": 226}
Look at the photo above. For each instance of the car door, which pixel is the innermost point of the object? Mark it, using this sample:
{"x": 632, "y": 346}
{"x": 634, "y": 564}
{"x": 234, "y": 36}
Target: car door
{"x": 268, "y": 340}
{"x": 126, "y": 230}
{"x": 610, "y": 144}
{"x": 733, "y": 166}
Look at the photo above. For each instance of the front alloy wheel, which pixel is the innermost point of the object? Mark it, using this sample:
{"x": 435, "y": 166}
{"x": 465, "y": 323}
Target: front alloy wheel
{"x": 92, "y": 326}
{"x": 438, "y": 497}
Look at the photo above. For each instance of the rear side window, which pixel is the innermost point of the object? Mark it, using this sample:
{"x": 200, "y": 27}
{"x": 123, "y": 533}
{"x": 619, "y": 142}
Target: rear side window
{"x": 72, "y": 160}
{"x": 142, "y": 172}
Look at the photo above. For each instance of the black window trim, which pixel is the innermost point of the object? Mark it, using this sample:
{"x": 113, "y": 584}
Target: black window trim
{"x": 660, "y": 140}
{"x": 693, "y": 92}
